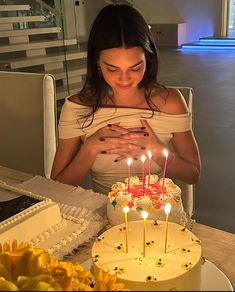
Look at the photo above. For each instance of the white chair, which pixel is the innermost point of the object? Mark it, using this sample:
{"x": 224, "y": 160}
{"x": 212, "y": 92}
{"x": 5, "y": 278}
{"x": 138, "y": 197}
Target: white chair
{"x": 28, "y": 124}
{"x": 187, "y": 190}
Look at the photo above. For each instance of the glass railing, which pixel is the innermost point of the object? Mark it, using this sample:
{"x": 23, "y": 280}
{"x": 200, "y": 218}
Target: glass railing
{"x": 34, "y": 38}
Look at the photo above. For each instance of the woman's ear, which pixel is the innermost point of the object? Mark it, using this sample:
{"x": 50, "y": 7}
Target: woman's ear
{"x": 98, "y": 69}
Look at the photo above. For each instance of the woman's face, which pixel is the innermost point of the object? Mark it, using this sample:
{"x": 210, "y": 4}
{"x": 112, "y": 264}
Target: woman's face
{"x": 122, "y": 68}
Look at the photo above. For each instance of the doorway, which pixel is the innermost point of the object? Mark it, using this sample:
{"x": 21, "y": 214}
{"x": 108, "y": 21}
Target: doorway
{"x": 231, "y": 21}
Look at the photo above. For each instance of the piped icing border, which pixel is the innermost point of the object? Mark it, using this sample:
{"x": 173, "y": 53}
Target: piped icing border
{"x": 48, "y": 233}
{"x": 27, "y": 212}
{"x": 82, "y": 226}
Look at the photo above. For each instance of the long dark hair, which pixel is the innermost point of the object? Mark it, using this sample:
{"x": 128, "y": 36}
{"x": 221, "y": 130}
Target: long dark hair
{"x": 117, "y": 26}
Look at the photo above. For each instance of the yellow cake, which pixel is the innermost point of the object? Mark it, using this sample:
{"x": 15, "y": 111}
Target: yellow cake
{"x": 177, "y": 269}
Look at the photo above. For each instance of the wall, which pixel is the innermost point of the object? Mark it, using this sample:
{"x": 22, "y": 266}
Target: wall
{"x": 86, "y": 13}
{"x": 203, "y": 17}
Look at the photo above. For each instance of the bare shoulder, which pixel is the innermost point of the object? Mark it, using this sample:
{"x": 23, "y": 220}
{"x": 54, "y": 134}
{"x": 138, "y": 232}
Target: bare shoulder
{"x": 75, "y": 98}
{"x": 175, "y": 103}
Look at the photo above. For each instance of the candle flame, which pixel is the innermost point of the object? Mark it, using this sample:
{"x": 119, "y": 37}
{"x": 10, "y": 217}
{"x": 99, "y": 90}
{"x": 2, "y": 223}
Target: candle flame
{"x": 167, "y": 208}
{"x": 143, "y": 158}
{"x": 129, "y": 161}
{"x": 144, "y": 214}
{"x": 165, "y": 152}
{"x": 149, "y": 154}
{"x": 126, "y": 209}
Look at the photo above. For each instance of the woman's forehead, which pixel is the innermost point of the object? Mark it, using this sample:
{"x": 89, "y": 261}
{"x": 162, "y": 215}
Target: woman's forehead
{"x": 115, "y": 56}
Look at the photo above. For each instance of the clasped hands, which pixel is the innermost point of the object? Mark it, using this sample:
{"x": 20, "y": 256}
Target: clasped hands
{"x": 125, "y": 142}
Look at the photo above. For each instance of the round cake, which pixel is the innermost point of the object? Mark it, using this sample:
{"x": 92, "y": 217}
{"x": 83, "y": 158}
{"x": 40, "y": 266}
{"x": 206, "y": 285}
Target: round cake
{"x": 177, "y": 269}
{"x": 151, "y": 197}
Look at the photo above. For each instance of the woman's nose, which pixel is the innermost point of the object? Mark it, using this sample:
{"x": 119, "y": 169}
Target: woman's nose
{"x": 124, "y": 77}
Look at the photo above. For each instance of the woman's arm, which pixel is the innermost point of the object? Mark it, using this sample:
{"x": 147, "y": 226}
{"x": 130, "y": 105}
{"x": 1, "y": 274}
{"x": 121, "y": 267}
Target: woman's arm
{"x": 184, "y": 161}
{"x": 74, "y": 159}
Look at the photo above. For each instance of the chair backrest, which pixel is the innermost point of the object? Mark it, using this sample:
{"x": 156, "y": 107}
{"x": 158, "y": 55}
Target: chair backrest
{"x": 187, "y": 190}
{"x": 27, "y": 122}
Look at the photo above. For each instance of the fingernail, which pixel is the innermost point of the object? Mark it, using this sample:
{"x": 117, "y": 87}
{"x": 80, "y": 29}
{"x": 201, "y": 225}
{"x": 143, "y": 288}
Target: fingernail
{"x": 142, "y": 147}
{"x": 102, "y": 139}
{"x": 142, "y": 128}
{"x": 103, "y": 152}
{"x": 146, "y": 134}
{"x": 135, "y": 158}
{"x": 116, "y": 160}
{"x": 109, "y": 125}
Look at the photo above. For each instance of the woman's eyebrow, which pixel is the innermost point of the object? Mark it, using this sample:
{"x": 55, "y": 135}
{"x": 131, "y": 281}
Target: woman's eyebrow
{"x": 117, "y": 67}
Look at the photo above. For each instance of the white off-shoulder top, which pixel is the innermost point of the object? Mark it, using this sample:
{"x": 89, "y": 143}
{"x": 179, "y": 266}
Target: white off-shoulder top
{"x": 105, "y": 171}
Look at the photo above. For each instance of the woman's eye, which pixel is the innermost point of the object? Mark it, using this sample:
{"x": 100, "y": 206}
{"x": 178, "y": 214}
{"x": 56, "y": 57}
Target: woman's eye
{"x": 111, "y": 69}
{"x": 135, "y": 69}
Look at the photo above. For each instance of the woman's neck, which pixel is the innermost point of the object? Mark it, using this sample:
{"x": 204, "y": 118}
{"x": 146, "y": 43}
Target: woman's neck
{"x": 130, "y": 99}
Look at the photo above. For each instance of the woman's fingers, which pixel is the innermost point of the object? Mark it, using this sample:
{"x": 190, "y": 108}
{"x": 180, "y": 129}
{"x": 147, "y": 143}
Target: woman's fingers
{"x": 130, "y": 151}
{"x": 124, "y": 130}
{"x": 147, "y": 126}
{"x": 117, "y": 128}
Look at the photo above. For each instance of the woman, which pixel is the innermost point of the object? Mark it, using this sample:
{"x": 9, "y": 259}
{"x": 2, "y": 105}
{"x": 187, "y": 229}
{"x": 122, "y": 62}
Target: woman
{"x": 122, "y": 110}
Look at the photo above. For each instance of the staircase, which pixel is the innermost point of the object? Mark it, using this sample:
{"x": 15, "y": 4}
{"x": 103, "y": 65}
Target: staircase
{"x": 211, "y": 43}
{"x": 29, "y": 44}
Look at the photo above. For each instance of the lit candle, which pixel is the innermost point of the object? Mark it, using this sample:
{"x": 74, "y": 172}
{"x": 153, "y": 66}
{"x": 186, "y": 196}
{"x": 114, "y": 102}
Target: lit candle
{"x": 149, "y": 157}
{"x": 167, "y": 210}
{"x": 126, "y": 209}
{"x": 144, "y": 215}
{"x": 143, "y": 158}
{"x": 129, "y": 161}
{"x": 165, "y": 152}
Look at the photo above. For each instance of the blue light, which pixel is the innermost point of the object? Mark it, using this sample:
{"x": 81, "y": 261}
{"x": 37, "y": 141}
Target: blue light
{"x": 204, "y": 47}
{"x": 218, "y": 40}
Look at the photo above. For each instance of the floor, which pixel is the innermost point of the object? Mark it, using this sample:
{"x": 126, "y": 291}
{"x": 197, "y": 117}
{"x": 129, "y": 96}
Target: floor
{"x": 212, "y": 76}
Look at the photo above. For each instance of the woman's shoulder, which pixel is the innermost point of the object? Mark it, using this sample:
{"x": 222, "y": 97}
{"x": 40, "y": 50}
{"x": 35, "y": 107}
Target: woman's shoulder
{"x": 73, "y": 102}
{"x": 72, "y": 107}
{"x": 76, "y": 99}
{"x": 172, "y": 101}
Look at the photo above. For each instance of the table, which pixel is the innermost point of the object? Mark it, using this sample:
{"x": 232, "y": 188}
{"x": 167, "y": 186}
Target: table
{"x": 218, "y": 245}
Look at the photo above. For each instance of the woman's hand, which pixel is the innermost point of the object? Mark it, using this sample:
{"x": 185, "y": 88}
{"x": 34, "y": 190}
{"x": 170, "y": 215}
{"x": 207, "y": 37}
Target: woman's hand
{"x": 154, "y": 144}
{"x": 114, "y": 139}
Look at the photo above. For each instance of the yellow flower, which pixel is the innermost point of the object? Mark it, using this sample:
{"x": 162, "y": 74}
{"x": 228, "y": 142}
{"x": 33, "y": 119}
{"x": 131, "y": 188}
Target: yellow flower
{"x": 65, "y": 274}
{"x": 38, "y": 283}
{"x": 26, "y": 268}
{"x": 107, "y": 282}
{"x": 82, "y": 287}
{"x": 13, "y": 246}
{"x": 5, "y": 270}
{"x": 7, "y": 285}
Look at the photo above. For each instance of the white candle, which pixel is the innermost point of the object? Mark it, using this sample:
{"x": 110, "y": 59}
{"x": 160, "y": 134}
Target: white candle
{"x": 129, "y": 161}
{"x": 126, "y": 209}
{"x": 143, "y": 158}
{"x": 149, "y": 168}
{"x": 144, "y": 215}
{"x": 167, "y": 210}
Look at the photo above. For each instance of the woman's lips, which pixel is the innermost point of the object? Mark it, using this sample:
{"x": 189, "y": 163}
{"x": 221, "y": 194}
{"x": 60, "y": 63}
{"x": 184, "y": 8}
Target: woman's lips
{"x": 124, "y": 86}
